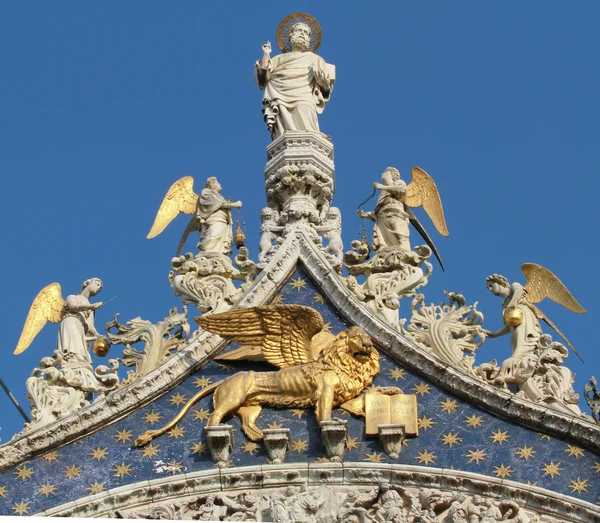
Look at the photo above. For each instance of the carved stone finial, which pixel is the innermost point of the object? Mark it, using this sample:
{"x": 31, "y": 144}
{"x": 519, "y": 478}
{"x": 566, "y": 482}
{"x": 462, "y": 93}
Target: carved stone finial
{"x": 593, "y": 401}
{"x": 220, "y": 442}
{"x": 391, "y": 438}
{"x": 277, "y": 442}
{"x": 335, "y": 434}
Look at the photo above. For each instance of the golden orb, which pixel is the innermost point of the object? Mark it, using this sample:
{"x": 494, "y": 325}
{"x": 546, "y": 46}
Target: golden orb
{"x": 513, "y": 316}
{"x": 101, "y": 347}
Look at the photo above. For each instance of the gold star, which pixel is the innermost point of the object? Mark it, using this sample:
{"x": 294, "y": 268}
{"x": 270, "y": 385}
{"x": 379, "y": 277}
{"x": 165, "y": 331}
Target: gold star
{"x": 177, "y": 399}
{"x": 474, "y": 421}
{"x": 299, "y": 445}
{"x": 375, "y": 457}
{"x": 123, "y": 435}
{"x": 545, "y": 436}
{"x": 51, "y": 456}
{"x": 427, "y": 457}
{"x": 96, "y": 488}
{"x": 21, "y": 508}
{"x": 229, "y": 464}
{"x": 502, "y": 471}
{"x": 499, "y": 437}
{"x": 579, "y": 485}
{"x": 322, "y": 459}
{"x": 122, "y": 470}
{"x": 476, "y": 455}
{"x": 150, "y": 451}
{"x": 176, "y": 432}
{"x": 250, "y": 447}
{"x": 23, "y": 472}
{"x": 275, "y": 426}
{"x": 552, "y": 469}
{"x": 3, "y": 492}
{"x": 277, "y": 300}
{"x": 449, "y": 405}
{"x": 175, "y": 467}
{"x": 201, "y": 414}
{"x": 298, "y": 284}
{"x": 152, "y": 417}
{"x": 72, "y": 471}
{"x": 426, "y": 423}
{"x": 201, "y": 382}
{"x": 47, "y": 489}
{"x": 198, "y": 448}
{"x": 397, "y": 374}
{"x": 421, "y": 388}
{"x": 318, "y": 299}
{"x": 98, "y": 453}
{"x": 451, "y": 439}
{"x": 574, "y": 451}
{"x": 596, "y": 467}
{"x": 297, "y": 412}
{"x": 525, "y": 452}
{"x": 352, "y": 443}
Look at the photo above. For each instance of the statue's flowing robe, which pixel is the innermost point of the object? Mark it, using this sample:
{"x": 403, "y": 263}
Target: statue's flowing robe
{"x": 291, "y": 88}
{"x": 215, "y": 223}
{"x": 391, "y": 223}
{"x": 74, "y": 347}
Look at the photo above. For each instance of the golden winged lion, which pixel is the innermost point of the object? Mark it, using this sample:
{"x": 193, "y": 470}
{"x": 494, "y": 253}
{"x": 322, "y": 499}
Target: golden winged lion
{"x": 316, "y": 368}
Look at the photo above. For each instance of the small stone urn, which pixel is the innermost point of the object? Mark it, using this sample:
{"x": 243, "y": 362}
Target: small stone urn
{"x": 334, "y": 433}
{"x": 391, "y": 438}
{"x": 277, "y": 442}
{"x": 220, "y": 442}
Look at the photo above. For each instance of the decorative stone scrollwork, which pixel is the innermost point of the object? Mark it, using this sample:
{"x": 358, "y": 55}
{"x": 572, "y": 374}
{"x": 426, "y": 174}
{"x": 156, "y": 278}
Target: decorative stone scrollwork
{"x": 593, "y": 401}
{"x": 335, "y": 435}
{"x": 220, "y": 443}
{"x": 277, "y": 442}
{"x": 451, "y": 331}
{"x": 391, "y": 437}
{"x": 161, "y": 340}
{"x": 63, "y": 384}
{"x": 390, "y": 275}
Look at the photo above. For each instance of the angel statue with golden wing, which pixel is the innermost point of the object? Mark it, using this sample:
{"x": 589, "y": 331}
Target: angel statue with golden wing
{"x": 71, "y": 387}
{"x": 212, "y": 214}
{"x": 393, "y": 213}
{"x": 521, "y": 318}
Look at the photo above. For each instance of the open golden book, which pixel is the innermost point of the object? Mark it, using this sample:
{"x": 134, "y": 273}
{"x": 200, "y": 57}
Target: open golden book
{"x": 382, "y": 409}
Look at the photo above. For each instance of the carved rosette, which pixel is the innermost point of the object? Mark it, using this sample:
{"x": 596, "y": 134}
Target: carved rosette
{"x": 334, "y": 434}
{"x": 452, "y": 331}
{"x": 277, "y": 442}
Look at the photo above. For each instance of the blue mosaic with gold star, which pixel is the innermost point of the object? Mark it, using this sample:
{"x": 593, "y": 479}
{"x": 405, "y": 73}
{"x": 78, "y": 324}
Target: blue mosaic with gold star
{"x": 452, "y": 434}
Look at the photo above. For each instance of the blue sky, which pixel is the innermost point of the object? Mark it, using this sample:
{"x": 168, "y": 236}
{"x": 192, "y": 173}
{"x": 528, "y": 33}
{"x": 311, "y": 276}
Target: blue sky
{"x": 104, "y": 105}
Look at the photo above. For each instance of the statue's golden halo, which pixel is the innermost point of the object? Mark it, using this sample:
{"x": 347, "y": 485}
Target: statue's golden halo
{"x": 283, "y": 31}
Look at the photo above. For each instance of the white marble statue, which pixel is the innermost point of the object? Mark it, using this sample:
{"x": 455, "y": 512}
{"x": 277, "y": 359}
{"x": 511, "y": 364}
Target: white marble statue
{"x": 392, "y": 215}
{"x": 297, "y": 83}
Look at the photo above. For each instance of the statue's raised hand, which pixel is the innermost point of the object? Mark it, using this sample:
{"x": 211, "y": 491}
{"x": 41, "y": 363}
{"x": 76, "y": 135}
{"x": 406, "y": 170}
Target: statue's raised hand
{"x": 267, "y": 49}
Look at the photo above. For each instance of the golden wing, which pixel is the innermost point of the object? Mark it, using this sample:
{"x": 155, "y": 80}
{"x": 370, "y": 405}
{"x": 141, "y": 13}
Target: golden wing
{"x": 422, "y": 191}
{"x": 48, "y": 305}
{"x": 541, "y": 316}
{"x": 179, "y": 198}
{"x": 283, "y": 332}
{"x": 542, "y": 283}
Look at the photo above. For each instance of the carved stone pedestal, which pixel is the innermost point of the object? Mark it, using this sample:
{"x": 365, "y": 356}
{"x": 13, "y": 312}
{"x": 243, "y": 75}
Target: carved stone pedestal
{"x": 220, "y": 443}
{"x": 277, "y": 442}
{"x": 299, "y": 177}
{"x": 334, "y": 434}
{"x": 391, "y": 438}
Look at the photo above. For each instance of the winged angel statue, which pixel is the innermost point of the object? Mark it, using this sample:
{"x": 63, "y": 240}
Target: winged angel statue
{"x": 316, "y": 368}
{"x": 521, "y": 320}
{"x": 69, "y": 388}
{"x": 393, "y": 213}
{"x": 212, "y": 214}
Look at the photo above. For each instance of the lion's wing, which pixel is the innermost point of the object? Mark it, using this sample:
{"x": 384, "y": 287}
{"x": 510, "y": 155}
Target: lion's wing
{"x": 283, "y": 332}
